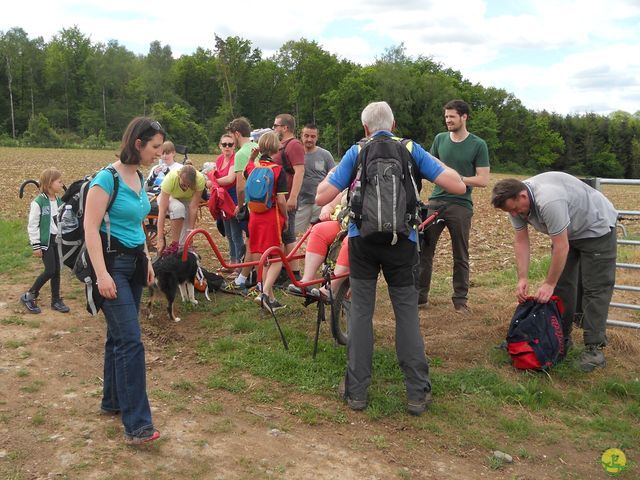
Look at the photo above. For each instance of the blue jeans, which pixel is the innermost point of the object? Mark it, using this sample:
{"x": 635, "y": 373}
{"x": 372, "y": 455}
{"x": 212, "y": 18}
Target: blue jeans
{"x": 124, "y": 368}
{"x": 233, "y": 232}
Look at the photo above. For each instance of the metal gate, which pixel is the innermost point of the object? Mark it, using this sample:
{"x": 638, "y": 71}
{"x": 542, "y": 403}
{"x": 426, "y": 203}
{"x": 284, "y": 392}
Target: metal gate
{"x": 634, "y": 217}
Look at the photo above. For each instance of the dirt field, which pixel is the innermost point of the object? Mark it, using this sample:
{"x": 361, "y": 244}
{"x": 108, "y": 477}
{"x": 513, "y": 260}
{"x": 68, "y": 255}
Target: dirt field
{"x": 51, "y": 369}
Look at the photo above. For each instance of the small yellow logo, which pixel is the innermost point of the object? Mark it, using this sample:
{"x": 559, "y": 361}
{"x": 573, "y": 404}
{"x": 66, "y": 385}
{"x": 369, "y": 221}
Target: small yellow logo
{"x": 613, "y": 461}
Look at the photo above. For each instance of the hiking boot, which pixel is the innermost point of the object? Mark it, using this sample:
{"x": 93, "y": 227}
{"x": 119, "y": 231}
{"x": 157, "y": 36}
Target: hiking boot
{"x": 423, "y": 299}
{"x": 462, "y": 309}
{"x": 592, "y": 358}
{"x": 148, "y": 435}
{"x": 59, "y": 306}
{"x": 235, "y": 289}
{"x": 418, "y": 407}
{"x": 294, "y": 290}
{"x": 353, "y": 404}
{"x": 271, "y": 305}
{"x": 109, "y": 413}
{"x": 29, "y": 300}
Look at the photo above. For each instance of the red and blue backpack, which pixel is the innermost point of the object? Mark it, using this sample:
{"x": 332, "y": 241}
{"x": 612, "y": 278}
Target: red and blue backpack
{"x": 535, "y": 340}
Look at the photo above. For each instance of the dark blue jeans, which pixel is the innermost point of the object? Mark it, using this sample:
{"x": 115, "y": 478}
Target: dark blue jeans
{"x": 233, "y": 232}
{"x": 124, "y": 368}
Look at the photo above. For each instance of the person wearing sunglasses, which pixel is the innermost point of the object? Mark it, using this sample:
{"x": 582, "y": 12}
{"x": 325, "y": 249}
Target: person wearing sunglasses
{"x": 122, "y": 271}
{"x": 225, "y": 176}
{"x": 291, "y": 158}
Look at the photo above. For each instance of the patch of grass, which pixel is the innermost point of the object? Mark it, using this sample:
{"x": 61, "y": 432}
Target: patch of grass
{"x": 495, "y": 463}
{"x": 163, "y": 395}
{"x": 264, "y": 395}
{"x": 494, "y": 398}
{"x": 15, "y": 251}
{"x": 313, "y": 415}
{"x": 23, "y": 355}
{"x": 13, "y": 321}
{"x": 183, "y": 385}
{"x": 213, "y": 408}
{"x": 226, "y": 382}
{"x": 380, "y": 442}
{"x": 224, "y": 425}
{"x": 38, "y": 418}
{"x": 14, "y": 343}
{"x": 112, "y": 432}
{"x": 620, "y": 388}
{"x": 33, "y": 387}
{"x": 517, "y": 428}
{"x": 23, "y": 372}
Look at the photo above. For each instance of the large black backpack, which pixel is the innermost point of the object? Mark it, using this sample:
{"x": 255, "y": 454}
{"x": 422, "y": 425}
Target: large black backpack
{"x": 70, "y": 238}
{"x": 535, "y": 340}
{"x": 384, "y": 193}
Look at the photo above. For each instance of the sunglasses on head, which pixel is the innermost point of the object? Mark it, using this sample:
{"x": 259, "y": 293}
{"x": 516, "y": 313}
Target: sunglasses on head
{"x": 224, "y": 144}
{"x": 155, "y": 126}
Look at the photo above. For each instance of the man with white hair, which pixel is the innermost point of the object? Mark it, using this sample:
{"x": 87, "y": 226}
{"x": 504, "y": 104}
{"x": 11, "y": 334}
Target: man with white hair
{"x": 398, "y": 261}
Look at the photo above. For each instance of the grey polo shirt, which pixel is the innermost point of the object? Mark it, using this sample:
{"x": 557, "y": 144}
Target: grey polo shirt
{"x": 560, "y": 201}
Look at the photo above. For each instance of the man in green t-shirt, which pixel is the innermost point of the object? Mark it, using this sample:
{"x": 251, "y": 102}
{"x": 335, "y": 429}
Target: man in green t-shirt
{"x": 469, "y": 156}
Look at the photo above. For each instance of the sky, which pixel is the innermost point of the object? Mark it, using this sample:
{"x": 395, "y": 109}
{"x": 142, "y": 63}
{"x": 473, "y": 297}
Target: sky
{"x": 564, "y": 56}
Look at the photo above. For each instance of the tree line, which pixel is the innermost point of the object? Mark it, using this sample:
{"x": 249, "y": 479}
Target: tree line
{"x": 71, "y": 91}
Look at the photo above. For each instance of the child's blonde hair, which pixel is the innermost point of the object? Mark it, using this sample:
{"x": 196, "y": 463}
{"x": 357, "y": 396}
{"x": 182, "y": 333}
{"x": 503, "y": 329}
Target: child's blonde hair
{"x": 269, "y": 143}
{"x": 168, "y": 147}
{"x": 47, "y": 177}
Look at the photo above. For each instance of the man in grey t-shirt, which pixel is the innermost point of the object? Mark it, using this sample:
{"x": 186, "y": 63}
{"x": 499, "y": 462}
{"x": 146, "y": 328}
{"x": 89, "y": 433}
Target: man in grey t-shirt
{"x": 317, "y": 163}
{"x": 581, "y": 223}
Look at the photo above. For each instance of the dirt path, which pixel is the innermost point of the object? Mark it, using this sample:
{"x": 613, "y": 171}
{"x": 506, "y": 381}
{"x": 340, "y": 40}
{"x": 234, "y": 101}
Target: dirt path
{"x": 50, "y": 369}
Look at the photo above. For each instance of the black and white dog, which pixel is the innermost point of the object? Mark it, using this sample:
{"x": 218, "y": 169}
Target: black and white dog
{"x": 173, "y": 275}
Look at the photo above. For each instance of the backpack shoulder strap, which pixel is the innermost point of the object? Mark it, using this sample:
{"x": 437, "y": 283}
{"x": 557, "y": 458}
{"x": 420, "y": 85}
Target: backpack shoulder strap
{"x": 116, "y": 185}
{"x": 286, "y": 164}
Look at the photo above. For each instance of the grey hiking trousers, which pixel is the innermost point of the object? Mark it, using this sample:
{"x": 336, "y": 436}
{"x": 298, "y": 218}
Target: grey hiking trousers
{"x": 399, "y": 264}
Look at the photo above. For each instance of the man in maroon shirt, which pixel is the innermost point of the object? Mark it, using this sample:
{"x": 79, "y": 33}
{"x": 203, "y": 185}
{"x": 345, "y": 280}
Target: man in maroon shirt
{"x": 293, "y": 164}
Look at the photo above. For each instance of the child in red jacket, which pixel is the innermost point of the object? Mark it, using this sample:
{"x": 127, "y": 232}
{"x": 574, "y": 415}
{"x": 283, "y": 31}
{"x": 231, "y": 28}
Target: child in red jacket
{"x": 265, "y": 228}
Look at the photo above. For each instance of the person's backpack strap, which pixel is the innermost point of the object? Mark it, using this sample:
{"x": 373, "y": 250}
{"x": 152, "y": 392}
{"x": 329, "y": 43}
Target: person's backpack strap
{"x": 112, "y": 199}
{"x": 286, "y": 164}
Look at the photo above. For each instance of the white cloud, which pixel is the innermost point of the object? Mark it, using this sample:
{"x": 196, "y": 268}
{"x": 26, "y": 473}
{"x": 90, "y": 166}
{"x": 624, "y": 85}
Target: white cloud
{"x": 563, "y": 55}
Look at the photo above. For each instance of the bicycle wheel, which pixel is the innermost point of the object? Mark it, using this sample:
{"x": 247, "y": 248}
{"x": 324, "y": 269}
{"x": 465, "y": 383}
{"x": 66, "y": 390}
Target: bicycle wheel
{"x": 340, "y": 313}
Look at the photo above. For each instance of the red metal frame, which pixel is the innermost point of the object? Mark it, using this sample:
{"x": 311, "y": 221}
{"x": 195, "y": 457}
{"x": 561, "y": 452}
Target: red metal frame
{"x": 271, "y": 255}
{"x": 275, "y": 254}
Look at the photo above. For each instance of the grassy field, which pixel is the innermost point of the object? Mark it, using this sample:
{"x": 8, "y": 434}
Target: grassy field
{"x": 221, "y": 383}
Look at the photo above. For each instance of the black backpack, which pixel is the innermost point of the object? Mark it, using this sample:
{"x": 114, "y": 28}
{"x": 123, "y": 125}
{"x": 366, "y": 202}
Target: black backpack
{"x": 384, "y": 193}
{"x": 535, "y": 340}
{"x": 70, "y": 238}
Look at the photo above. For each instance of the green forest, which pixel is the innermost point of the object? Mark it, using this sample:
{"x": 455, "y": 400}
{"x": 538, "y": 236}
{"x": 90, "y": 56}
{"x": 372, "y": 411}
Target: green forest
{"x": 72, "y": 92}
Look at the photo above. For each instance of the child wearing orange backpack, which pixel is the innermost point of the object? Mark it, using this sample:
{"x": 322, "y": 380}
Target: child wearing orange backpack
{"x": 265, "y": 191}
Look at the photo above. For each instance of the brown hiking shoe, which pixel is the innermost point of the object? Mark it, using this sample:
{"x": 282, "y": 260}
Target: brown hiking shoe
{"x": 462, "y": 309}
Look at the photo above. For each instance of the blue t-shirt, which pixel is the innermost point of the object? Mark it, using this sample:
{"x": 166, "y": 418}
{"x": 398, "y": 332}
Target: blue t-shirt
{"x": 429, "y": 168}
{"x": 127, "y": 212}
